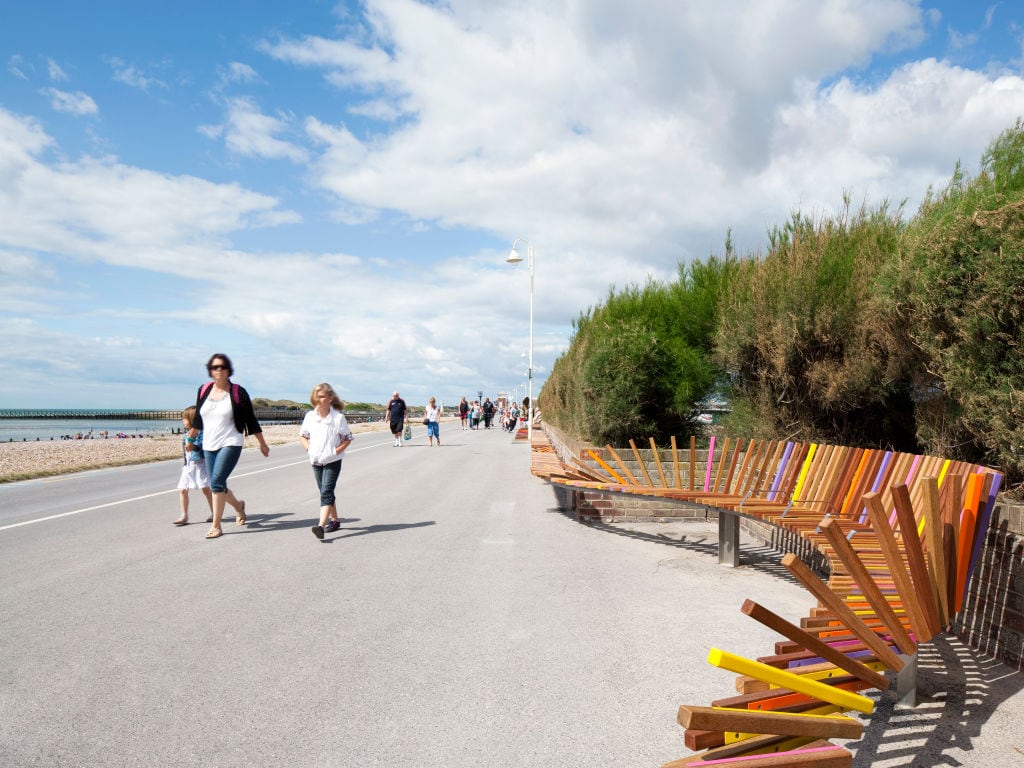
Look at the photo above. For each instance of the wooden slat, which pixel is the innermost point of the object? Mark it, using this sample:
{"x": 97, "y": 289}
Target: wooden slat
{"x": 778, "y": 723}
{"x": 856, "y": 568}
{"x": 932, "y": 514}
{"x": 894, "y": 560}
{"x": 693, "y": 460}
{"x": 604, "y": 466}
{"x": 853, "y": 622}
{"x": 622, "y": 465}
{"x": 640, "y": 461}
{"x": 755, "y": 745}
{"x": 657, "y": 463}
{"x": 784, "y": 679}
{"x": 723, "y": 459}
{"x": 774, "y": 621}
{"x": 832, "y": 756}
{"x": 675, "y": 463}
{"x": 924, "y": 589}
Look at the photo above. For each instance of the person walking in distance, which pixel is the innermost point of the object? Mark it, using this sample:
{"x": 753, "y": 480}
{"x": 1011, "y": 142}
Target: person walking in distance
{"x": 433, "y": 421}
{"x": 325, "y": 435}
{"x": 394, "y": 412}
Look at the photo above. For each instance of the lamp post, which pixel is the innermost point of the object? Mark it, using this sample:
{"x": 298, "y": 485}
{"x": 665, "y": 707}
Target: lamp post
{"x": 514, "y": 257}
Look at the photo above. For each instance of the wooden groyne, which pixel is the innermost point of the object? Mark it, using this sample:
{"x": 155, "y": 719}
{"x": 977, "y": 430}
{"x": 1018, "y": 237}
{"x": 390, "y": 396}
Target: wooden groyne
{"x": 84, "y": 413}
{"x": 270, "y": 415}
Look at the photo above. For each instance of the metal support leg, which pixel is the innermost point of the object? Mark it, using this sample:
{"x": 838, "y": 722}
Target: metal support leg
{"x": 728, "y": 539}
{"x": 906, "y": 682}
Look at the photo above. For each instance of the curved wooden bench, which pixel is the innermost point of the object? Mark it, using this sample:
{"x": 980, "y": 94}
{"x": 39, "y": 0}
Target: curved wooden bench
{"x": 901, "y": 533}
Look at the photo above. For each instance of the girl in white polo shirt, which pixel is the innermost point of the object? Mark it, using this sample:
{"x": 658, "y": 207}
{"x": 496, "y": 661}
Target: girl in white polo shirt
{"x": 325, "y": 435}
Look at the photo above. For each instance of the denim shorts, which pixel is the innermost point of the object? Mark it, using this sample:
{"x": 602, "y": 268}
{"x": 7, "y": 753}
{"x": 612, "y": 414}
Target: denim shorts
{"x": 326, "y": 478}
{"x": 433, "y": 429}
{"x": 220, "y": 464}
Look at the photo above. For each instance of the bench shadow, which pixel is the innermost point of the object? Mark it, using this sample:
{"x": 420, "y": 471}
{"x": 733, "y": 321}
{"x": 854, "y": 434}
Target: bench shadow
{"x": 764, "y": 557}
{"x": 958, "y": 692}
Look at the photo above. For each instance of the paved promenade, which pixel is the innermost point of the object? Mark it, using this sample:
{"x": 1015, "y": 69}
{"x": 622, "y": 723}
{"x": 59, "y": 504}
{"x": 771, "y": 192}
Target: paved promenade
{"x": 458, "y": 618}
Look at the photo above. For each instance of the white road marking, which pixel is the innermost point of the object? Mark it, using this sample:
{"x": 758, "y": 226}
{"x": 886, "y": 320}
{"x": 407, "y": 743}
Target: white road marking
{"x": 162, "y": 493}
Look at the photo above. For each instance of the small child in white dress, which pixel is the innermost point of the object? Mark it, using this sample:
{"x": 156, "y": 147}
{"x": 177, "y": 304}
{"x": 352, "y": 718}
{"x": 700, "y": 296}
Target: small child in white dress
{"x": 193, "y": 474}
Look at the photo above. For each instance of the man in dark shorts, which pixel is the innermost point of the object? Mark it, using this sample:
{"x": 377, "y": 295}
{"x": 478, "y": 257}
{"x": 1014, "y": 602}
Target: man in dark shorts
{"x": 395, "y": 414}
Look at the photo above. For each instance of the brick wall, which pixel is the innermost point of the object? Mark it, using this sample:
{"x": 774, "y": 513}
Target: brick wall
{"x": 992, "y": 620}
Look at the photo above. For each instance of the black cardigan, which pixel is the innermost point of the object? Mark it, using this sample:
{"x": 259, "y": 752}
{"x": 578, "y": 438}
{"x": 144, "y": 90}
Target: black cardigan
{"x": 241, "y": 409}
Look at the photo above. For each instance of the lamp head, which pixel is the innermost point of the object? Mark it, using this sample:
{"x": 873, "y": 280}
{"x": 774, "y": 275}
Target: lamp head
{"x": 514, "y": 257}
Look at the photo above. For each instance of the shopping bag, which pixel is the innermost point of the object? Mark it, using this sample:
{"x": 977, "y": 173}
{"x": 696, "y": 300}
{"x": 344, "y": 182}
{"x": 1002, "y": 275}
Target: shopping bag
{"x": 408, "y": 432}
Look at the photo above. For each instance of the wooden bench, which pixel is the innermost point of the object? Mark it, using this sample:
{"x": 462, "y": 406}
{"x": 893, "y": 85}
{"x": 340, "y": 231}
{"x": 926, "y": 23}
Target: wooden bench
{"x": 901, "y": 534}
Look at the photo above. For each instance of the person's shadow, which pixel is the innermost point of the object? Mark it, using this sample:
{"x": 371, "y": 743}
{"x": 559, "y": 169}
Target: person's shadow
{"x": 284, "y": 522}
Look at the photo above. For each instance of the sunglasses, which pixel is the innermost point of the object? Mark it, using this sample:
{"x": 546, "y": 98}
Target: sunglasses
{"x": 218, "y": 368}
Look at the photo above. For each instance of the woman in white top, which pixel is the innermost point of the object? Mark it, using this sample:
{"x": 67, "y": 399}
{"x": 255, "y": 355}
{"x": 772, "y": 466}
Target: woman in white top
{"x": 225, "y": 414}
{"x": 325, "y": 436}
{"x": 433, "y": 422}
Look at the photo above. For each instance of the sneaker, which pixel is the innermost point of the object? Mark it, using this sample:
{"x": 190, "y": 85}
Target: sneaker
{"x": 318, "y": 531}
{"x": 332, "y": 526}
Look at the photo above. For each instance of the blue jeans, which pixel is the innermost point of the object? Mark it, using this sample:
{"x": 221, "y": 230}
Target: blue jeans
{"x": 434, "y": 429}
{"x": 326, "y": 478}
{"x": 220, "y": 464}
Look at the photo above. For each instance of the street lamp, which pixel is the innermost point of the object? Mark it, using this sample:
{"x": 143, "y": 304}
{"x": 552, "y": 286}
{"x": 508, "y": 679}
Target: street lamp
{"x": 514, "y": 257}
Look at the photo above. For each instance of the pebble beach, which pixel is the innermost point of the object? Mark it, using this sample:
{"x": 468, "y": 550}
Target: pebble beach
{"x": 24, "y": 461}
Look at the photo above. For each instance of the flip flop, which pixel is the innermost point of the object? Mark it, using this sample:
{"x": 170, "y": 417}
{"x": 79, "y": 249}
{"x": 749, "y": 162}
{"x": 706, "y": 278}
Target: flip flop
{"x": 214, "y": 533}
{"x": 181, "y": 521}
{"x": 240, "y": 517}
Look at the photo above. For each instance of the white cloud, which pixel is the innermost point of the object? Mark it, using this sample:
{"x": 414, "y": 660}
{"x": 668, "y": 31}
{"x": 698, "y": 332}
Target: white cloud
{"x": 249, "y": 132}
{"x": 132, "y": 76}
{"x": 15, "y": 65}
{"x": 236, "y": 72}
{"x": 77, "y": 103}
{"x": 54, "y": 70}
{"x": 640, "y": 132}
{"x": 100, "y": 211}
{"x": 618, "y": 138}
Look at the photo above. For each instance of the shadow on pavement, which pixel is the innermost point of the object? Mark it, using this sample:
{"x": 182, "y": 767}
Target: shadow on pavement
{"x": 958, "y": 692}
{"x": 959, "y": 689}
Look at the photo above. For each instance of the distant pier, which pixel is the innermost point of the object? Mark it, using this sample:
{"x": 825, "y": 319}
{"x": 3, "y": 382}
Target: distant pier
{"x": 278, "y": 415}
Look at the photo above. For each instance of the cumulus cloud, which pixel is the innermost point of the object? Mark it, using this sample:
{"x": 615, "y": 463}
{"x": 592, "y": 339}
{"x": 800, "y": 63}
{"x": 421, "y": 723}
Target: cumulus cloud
{"x": 133, "y": 76}
{"x": 247, "y": 131}
{"x": 16, "y": 66}
{"x": 236, "y": 72}
{"x": 640, "y": 132}
{"x": 55, "y": 71}
{"x": 77, "y": 103}
{"x": 98, "y": 211}
{"x": 619, "y": 139}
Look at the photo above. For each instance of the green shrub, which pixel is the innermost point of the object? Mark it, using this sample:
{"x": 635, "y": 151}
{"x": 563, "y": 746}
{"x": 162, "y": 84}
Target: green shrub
{"x": 957, "y": 296}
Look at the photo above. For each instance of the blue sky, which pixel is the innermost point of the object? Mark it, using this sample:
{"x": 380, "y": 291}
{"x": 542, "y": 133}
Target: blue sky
{"x": 328, "y": 191}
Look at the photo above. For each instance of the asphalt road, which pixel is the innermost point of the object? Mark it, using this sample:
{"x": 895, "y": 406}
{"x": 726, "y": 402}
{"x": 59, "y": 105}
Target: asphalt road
{"x": 458, "y": 618}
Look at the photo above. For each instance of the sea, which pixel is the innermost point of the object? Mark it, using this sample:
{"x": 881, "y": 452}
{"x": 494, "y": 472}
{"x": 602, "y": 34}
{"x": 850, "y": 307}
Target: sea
{"x": 29, "y": 426}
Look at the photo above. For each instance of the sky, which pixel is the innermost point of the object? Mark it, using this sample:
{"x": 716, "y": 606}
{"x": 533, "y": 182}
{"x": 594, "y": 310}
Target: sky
{"x": 328, "y": 191}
